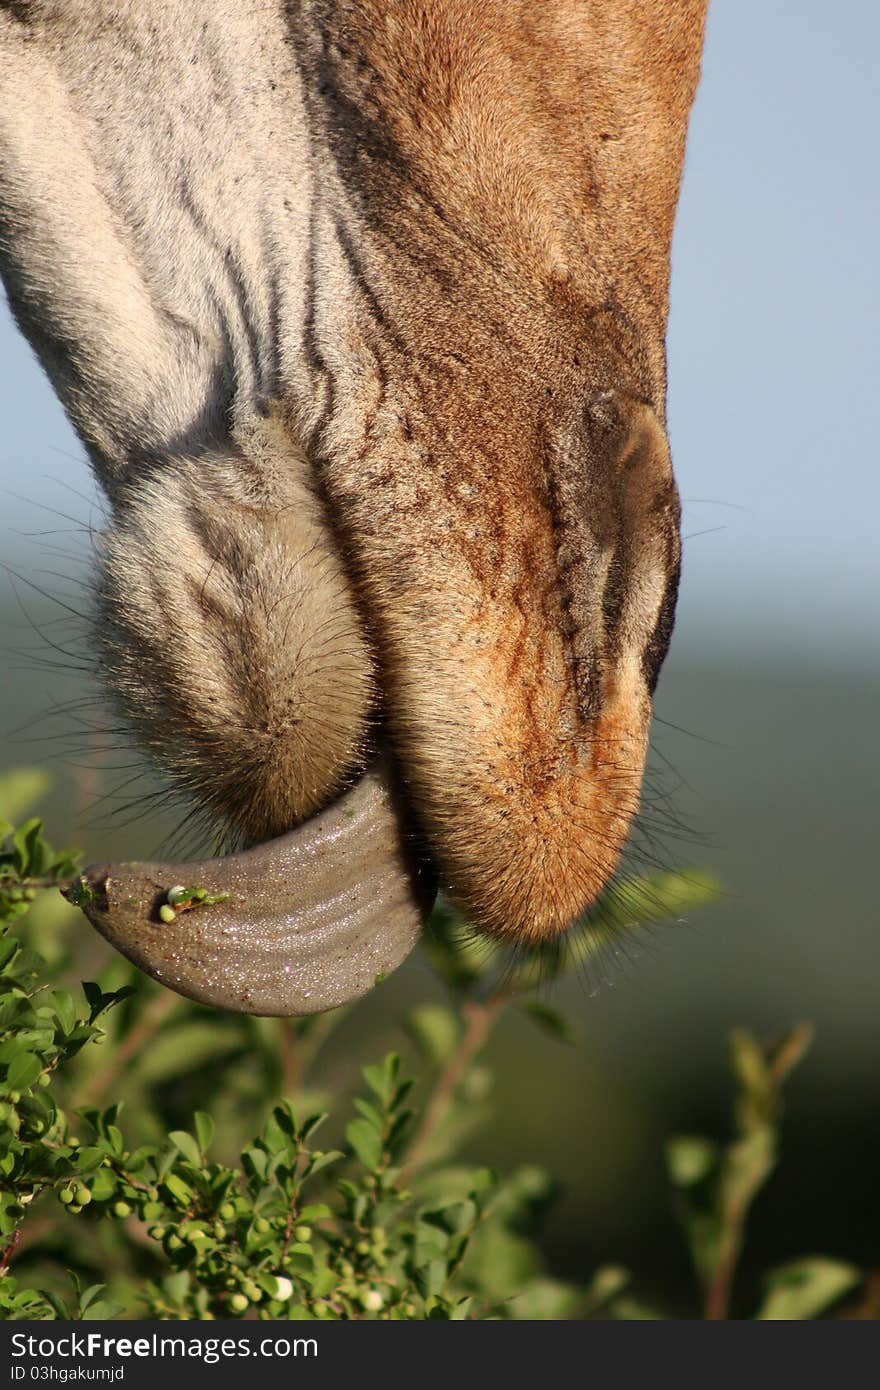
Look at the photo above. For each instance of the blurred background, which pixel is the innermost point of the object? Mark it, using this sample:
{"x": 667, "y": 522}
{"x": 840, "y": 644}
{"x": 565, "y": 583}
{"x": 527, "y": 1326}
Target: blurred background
{"x": 766, "y": 738}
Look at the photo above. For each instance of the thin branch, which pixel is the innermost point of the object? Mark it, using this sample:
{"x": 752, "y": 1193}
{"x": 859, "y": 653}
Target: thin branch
{"x": 480, "y": 1017}
{"x": 720, "y": 1287}
{"x": 290, "y": 1057}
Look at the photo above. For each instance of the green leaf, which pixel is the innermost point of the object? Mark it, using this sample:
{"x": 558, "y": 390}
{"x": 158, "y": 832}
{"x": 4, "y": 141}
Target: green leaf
{"x": 690, "y": 1159}
{"x": 58, "y": 1306}
{"x": 176, "y": 1286}
{"x": 382, "y": 1079}
{"x": 546, "y": 1299}
{"x": 657, "y": 897}
{"x": 89, "y": 1295}
{"x": 285, "y": 1119}
{"x": 94, "y": 996}
{"x": 315, "y": 1211}
{"x": 365, "y": 1141}
{"x": 430, "y": 1278}
{"x": 323, "y": 1160}
{"x": 179, "y": 1191}
{"x": 187, "y": 1145}
{"x": 434, "y": 1030}
{"x": 115, "y": 1141}
{"x": 65, "y": 1008}
{"x": 302, "y": 1249}
{"x": 324, "y": 1282}
{"x": 551, "y": 1021}
{"x": 104, "y": 1184}
{"x": 312, "y": 1125}
{"x": 747, "y": 1165}
{"x": 462, "y": 1310}
{"x": 255, "y": 1162}
{"x": 204, "y": 1127}
{"x": 453, "y": 1218}
{"x": 805, "y": 1288}
{"x": 93, "y": 1308}
{"x": 27, "y": 967}
{"x": 483, "y": 1180}
{"x": 66, "y": 864}
{"x": 14, "y": 1008}
{"x": 80, "y": 893}
{"x": 103, "y": 1311}
{"x": 30, "y": 850}
{"x": 607, "y": 1284}
{"x": 501, "y": 1261}
{"x": 8, "y": 949}
{"x": 370, "y": 1114}
{"x": 99, "y": 1002}
{"x": 21, "y": 789}
{"x": 88, "y": 1158}
{"x": 23, "y": 1071}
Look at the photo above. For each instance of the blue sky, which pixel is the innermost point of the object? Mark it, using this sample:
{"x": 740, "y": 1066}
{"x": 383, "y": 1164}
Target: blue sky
{"x": 773, "y": 341}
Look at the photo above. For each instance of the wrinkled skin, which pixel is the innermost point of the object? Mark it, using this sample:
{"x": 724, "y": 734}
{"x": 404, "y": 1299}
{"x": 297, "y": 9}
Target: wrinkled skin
{"x": 359, "y": 309}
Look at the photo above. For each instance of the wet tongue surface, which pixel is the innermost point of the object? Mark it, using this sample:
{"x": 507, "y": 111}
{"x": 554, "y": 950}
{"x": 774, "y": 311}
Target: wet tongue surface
{"x": 300, "y": 924}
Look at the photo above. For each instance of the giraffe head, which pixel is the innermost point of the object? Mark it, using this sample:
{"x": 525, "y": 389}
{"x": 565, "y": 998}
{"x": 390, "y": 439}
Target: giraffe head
{"x": 360, "y": 315}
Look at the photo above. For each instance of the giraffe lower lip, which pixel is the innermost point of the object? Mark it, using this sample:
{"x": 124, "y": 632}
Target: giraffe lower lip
{"x": 300, "y": 924}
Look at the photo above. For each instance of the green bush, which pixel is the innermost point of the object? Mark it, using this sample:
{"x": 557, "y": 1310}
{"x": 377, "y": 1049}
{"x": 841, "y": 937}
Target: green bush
{"x": 150, "y": 1213}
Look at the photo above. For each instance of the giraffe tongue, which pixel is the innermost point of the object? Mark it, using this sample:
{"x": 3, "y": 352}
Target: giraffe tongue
{"x": 297, "y": 925}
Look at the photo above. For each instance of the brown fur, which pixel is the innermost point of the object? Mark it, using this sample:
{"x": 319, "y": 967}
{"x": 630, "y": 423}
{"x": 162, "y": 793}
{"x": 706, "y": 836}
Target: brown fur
{"x": 435, "y": 235}
{"x": 499, "y": 470}
{"x": 226, "y": 631}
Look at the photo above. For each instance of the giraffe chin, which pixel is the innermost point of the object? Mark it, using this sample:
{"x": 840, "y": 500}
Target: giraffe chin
{"x": 300, "y": 924}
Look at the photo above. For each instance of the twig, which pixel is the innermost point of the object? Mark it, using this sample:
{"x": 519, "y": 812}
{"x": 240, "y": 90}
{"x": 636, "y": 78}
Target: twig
{"x": 291, "y": 1058}
{"x": 720, "y": 1286}
{"x": 9, "y": 1250}
{"x": 299, "y": 1047}
{"x": 480, "y": 1017}
{"x": 25, "y": 1235}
